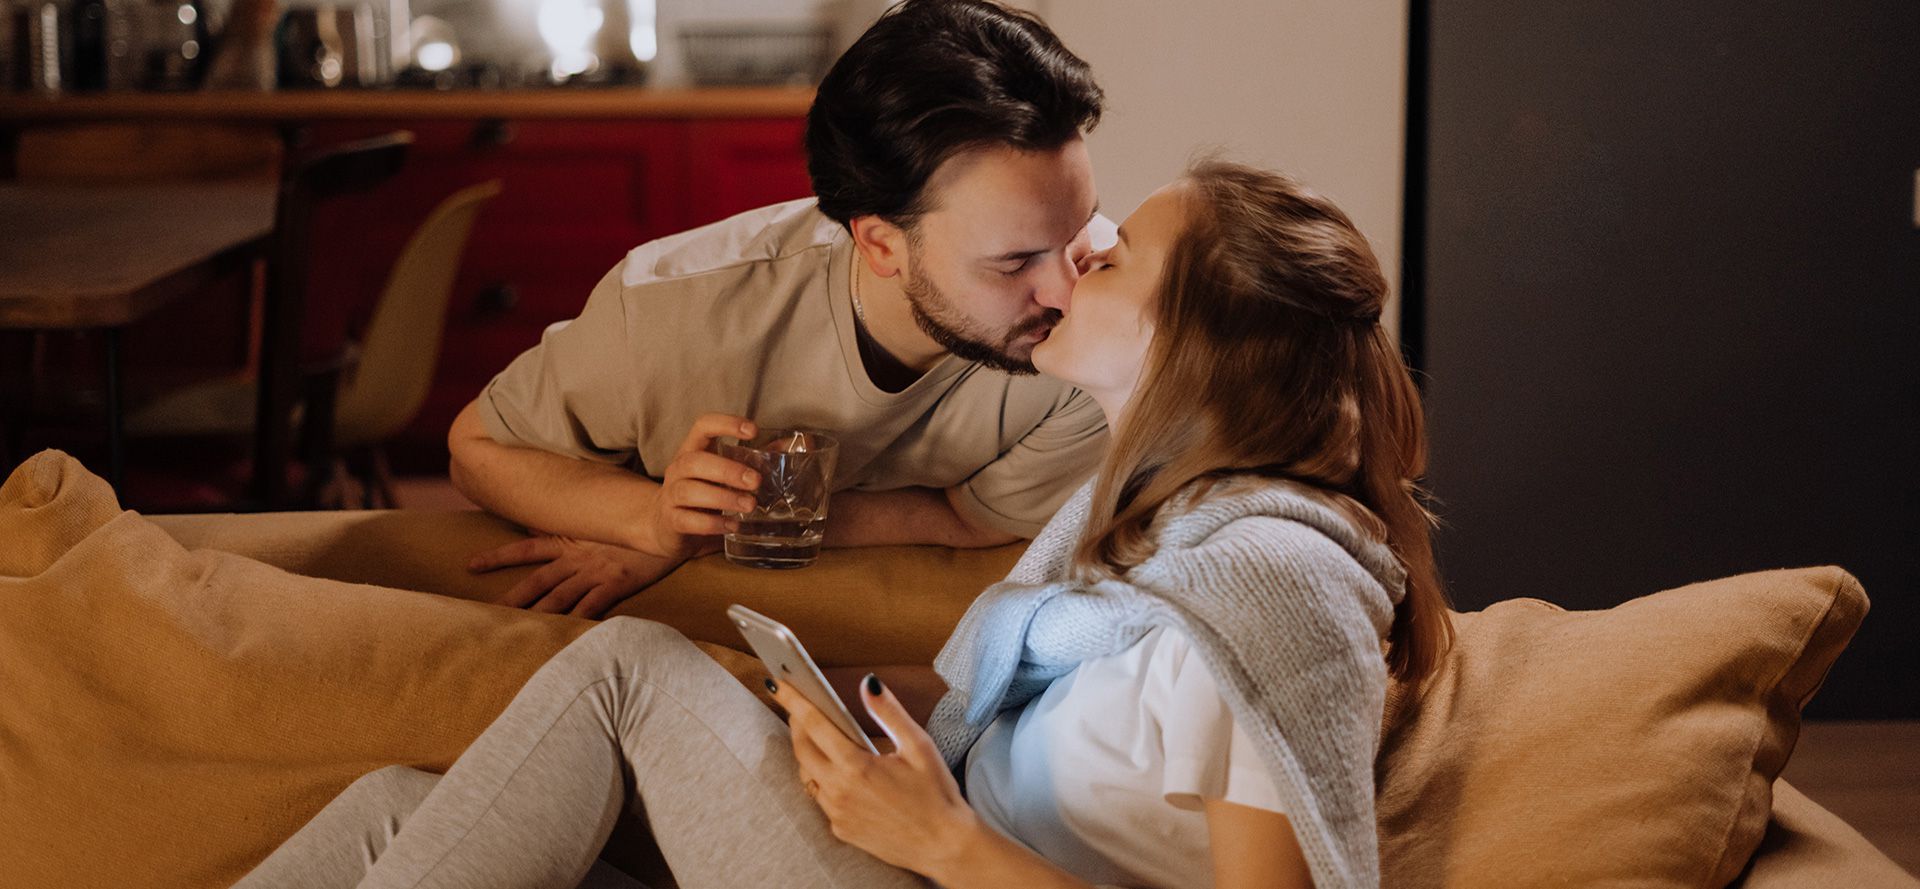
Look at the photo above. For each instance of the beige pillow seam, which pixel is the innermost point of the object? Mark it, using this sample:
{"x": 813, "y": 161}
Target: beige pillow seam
{"x": 1771, "y": 688}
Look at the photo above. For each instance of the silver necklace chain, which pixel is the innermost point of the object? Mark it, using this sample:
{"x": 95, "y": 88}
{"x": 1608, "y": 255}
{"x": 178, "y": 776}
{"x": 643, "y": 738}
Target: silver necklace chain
{"x": 859, "y": 311}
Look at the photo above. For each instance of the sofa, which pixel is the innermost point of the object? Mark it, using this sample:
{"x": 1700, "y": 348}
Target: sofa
{"x": 186, "y": 690}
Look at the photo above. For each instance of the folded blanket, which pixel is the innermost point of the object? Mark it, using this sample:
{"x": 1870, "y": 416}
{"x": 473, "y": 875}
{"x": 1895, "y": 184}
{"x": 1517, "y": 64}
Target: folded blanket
{"x": 168, "y": 716}
{"x": 1286, "y": 601}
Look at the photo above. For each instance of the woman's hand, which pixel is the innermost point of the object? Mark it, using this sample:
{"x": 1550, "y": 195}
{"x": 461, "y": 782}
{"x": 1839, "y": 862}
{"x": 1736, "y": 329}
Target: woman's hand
{"x": 902, "y": 807}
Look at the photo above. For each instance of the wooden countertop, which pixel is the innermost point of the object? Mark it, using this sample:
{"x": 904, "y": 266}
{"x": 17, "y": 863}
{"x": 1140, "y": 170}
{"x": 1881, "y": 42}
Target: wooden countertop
{"x": 100, "y": 256}
{"x": 412, "y": 104}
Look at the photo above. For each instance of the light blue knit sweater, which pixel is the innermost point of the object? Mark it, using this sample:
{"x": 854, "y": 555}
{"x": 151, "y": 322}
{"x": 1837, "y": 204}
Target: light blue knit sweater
{"x": 1285, "y": 600}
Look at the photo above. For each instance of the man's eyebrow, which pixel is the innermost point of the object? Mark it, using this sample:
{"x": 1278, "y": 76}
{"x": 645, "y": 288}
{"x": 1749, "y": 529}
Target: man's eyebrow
{"x": 1022, "y": 255}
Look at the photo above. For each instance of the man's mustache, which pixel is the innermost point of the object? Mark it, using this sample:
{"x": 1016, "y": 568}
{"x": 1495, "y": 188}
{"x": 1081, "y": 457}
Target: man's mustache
{"x": 1043, "y": 321}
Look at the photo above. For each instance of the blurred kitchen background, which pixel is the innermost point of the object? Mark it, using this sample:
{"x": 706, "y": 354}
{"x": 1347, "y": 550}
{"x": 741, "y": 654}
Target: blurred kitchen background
{"x": 1658, "y": 265}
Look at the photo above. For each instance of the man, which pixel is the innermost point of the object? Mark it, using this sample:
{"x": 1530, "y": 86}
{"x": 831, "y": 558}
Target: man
{"x": 897, "y": 310}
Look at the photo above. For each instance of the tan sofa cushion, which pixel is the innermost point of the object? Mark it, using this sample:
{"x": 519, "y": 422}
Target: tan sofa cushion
{"x": 1632, "y": 746}
{"x": 168, "y": 717}
{"x": 1808, "y": 847}
{"x": 1680, "y": 677}
{"x": 859, "y": 607}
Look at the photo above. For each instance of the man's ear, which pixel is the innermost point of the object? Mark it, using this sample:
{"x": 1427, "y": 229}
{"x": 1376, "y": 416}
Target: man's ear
{"x": 882, "y": 245}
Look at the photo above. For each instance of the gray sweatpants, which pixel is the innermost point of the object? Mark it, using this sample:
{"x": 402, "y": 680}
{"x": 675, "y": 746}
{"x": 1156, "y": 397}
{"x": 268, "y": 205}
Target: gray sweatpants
{"x": 630, "y": 712}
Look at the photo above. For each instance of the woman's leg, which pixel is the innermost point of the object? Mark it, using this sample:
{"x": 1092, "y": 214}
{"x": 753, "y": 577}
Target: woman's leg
{"x": 335, "y": 848}
{"x": 629, "y": 707}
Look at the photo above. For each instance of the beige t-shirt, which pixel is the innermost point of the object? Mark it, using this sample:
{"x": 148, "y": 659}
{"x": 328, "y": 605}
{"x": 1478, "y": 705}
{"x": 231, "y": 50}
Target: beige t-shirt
{"x": 753, "y": 316}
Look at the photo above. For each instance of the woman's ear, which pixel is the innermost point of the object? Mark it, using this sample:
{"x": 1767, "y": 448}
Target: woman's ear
{"x": 882, "y": 245}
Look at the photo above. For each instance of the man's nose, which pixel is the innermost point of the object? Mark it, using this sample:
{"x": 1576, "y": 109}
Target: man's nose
{"x": 1055, "y": 291}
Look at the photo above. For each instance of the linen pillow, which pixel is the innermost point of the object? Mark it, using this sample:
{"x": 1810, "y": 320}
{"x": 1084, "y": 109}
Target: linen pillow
{"x": 1632, "y": 746}
{"x": 168, "y": 717}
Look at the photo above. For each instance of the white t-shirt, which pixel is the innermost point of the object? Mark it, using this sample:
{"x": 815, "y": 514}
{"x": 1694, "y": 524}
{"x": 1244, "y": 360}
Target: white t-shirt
{"x": 1105, "y": 771}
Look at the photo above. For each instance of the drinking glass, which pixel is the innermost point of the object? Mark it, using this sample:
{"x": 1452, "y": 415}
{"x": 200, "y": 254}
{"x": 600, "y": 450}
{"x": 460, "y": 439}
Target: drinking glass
{"x": 790, "y": 509}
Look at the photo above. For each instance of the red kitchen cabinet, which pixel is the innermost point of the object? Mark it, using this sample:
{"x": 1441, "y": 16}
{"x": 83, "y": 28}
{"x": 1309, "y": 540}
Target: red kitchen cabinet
{"x": 577, "y": 196}
{"x": 740, "y": 165}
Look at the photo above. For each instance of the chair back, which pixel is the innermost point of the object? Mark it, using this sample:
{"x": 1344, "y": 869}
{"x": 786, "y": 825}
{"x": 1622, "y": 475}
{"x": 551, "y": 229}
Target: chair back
{"x": 347, "y": 168}
{"x": 401, "y": 346}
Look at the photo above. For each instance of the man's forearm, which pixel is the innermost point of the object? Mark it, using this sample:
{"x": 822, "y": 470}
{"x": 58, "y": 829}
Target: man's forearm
{"x": 906, "y": 516}
{"x": 549, "y": 492}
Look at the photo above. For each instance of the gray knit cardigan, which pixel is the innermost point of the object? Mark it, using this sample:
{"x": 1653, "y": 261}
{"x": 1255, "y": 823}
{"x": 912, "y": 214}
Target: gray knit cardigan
{"x": 1286, "y": 602}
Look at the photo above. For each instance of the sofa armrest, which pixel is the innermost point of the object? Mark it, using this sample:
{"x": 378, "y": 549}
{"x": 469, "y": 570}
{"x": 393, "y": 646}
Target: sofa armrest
{"x": 405, "y": 549}
{"x": 1808, "y": 847}
{"x": 853, "y": 607}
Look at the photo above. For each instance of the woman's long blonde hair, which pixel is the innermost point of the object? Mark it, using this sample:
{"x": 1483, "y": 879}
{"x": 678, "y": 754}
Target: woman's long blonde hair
{"x": 1269, "y": 358}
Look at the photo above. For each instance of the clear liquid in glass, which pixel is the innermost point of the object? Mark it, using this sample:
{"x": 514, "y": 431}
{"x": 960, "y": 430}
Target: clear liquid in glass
{"x": 780, "y": 540}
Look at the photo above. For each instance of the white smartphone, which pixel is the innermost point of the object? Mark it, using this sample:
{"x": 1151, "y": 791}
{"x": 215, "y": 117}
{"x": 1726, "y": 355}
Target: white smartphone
{"x": 780, "y": 650}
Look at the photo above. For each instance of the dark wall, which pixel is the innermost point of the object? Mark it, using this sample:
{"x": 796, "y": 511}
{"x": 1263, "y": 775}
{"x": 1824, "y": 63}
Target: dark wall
{"x": 1672, "y": 305}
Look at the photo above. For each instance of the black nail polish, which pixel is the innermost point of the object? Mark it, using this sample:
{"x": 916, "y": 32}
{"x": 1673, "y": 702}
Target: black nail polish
{"x": 873, "y": 685}
{"x": 773, "y": 688}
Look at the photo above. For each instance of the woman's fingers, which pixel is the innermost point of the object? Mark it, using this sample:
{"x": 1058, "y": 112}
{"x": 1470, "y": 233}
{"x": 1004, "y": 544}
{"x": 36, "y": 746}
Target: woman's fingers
{"x": 519, "y": 552}
{"x": 909, "y": 739}
{"x": 803, "y": 718}
{"x": 813, "y": 761}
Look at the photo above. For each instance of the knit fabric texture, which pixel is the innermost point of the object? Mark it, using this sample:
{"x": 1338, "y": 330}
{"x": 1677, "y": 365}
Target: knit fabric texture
{"x": 1285, "y": 600}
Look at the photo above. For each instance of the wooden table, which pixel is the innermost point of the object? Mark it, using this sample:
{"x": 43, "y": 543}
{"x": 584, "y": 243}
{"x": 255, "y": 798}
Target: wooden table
{"x": 78, "y": 257}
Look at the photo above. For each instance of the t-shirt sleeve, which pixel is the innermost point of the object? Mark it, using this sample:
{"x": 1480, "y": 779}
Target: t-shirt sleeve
{"x": 1021, "y": 490}
{"x": 1209, "y": 756}
{"x": 573, "y": 393}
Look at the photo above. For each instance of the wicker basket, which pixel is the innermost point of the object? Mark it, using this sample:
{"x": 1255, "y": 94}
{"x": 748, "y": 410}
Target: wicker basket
{"x": 755, "y": 54}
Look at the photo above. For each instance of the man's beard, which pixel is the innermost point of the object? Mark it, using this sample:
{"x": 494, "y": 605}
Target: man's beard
{"x": 936, "y": 315}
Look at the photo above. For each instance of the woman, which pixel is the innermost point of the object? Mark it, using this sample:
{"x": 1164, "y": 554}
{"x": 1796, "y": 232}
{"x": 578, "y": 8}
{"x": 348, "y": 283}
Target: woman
{"x": 1180, "y": 684}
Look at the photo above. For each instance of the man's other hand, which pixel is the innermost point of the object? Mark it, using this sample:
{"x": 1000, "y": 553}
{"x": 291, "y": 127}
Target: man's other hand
{"x": 576, "y": 577}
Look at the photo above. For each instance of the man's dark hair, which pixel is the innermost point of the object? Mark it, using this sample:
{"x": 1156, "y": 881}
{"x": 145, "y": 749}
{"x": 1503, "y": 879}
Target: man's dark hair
{"x": 932, "y": 79}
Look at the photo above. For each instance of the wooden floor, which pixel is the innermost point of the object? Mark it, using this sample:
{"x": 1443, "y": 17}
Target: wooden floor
{"x": 1868, "y": 773}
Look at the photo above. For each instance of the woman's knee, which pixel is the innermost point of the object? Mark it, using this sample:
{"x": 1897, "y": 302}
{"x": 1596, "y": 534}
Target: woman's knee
{"x": 629, "y": 635}
{"x": 394, "y": 790}
{"x": 622, "y": 645}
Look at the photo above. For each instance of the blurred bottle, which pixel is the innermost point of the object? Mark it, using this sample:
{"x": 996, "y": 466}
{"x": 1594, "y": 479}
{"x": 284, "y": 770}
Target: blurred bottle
{"x": 330, "y": 45}
{"x": 627, "y": 41}
{"x": 243, "y": 57}
{"x": 173, "y": 44}
{"x": 106, "y": 44}
{"x": 40, "y": 51}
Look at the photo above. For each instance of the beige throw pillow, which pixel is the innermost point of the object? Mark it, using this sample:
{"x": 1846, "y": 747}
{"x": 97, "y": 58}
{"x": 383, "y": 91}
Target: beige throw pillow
{"x": 168, "y": 717}
{"x": 1632, "y": 746}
